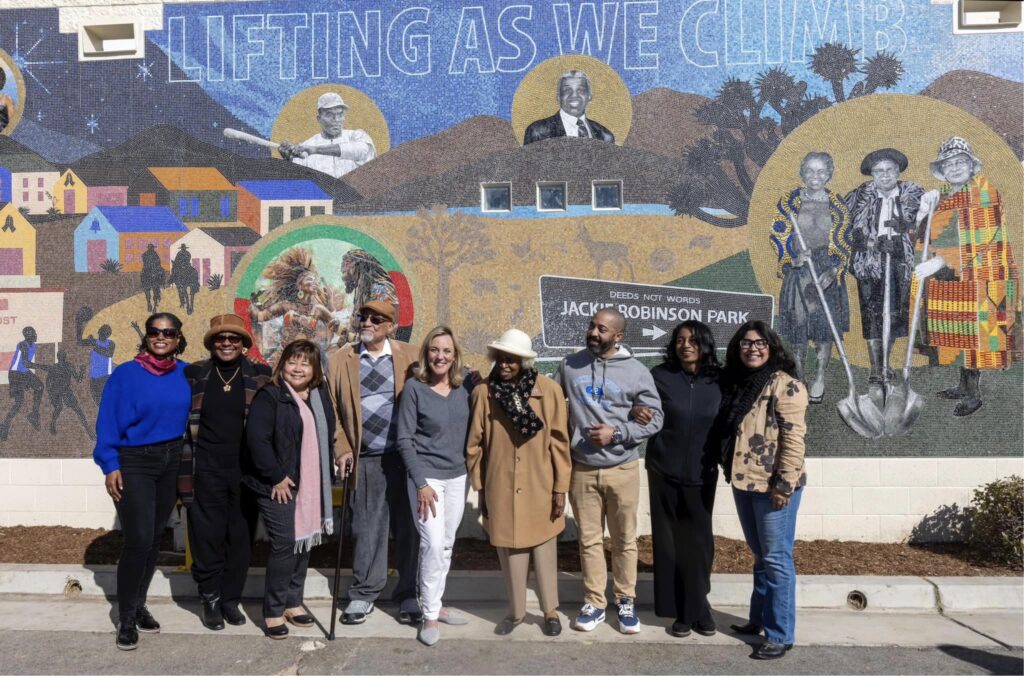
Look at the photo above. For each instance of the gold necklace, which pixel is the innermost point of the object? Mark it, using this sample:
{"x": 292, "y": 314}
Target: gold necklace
{"x": 227, "y": 383}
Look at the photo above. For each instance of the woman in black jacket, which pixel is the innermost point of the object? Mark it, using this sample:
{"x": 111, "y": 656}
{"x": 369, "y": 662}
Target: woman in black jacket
{"x": 682, "y": 469}
{"x": 290, "y": 434}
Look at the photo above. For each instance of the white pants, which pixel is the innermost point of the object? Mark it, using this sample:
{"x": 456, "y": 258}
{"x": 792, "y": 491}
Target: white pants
{"x": 437, "y": 537}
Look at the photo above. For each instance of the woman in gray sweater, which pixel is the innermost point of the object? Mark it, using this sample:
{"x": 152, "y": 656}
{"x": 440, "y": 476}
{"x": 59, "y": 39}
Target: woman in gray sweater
{"x": 433, "y": 416}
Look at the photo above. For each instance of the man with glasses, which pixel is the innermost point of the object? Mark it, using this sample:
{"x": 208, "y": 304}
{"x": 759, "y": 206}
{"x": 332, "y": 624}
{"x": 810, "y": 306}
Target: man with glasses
{"x": 886, "y": 215}
{"x": 335, "y": 150}
{"x": 365, "y": 380}
{"x": 220, "y": 518}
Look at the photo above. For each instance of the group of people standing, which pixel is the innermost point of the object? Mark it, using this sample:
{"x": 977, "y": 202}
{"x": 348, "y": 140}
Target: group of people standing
{"x": 970, "y": 303}
{"x": 410, "y": 432}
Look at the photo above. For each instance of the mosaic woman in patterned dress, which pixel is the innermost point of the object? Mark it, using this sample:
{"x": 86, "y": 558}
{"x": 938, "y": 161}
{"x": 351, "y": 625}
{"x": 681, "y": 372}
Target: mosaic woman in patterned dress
{"x": 825, "y": 223}
{"x": 973, "y": 303}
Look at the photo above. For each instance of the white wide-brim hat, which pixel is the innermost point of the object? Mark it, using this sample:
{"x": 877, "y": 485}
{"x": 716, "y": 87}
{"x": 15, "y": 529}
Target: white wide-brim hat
{"x": 949, "y": 148}
{"x": 514, "y": 342}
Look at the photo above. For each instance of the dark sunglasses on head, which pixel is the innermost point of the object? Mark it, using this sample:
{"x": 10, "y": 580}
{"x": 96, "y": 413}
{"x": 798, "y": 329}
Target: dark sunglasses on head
{"x": 376, "y": 320}
{"x": 154, "y": 332}
{"x": 232, "y": 338}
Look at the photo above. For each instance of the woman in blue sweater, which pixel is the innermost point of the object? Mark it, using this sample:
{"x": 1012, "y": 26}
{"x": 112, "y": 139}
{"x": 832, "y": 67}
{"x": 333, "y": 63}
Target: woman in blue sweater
{"x": 139, "y": 432}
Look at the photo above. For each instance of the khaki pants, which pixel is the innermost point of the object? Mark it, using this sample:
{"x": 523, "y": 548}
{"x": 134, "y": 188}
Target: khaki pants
{"x": 515, "y": 565}
{"x": 598, "y": 495}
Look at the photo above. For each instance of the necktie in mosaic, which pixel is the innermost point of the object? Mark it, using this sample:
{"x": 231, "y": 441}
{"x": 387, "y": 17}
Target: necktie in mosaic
{"x": 581, "y": 128}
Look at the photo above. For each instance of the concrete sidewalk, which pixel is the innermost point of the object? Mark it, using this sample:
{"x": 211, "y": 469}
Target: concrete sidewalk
{"x": 813, "y": 591}
{"x": 815, "y": 627}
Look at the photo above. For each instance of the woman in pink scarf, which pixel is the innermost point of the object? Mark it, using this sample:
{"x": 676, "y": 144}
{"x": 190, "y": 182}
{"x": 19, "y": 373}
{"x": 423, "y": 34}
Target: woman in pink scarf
{"x": 290, "y": 433}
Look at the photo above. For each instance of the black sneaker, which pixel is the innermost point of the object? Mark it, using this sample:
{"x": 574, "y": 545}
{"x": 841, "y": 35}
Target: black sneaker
{"x": 680, "y": 629}
{"x": 127, "y": 635}
{"x": 144, "y": 621}
{"x": 705, "y": 628}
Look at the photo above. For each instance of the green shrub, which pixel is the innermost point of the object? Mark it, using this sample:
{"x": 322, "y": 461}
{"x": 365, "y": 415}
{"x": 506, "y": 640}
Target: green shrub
{"x": 996, "y": 516}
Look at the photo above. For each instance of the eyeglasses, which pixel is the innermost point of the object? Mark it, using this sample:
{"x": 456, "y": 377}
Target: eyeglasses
{"x": 232, "y": 338}
{"x": 758, "y": 344}
{"x": 154, "y": 332}
{"x": 376, "y": 320}
{"x": 889, "y": 171}
{"x": 956, "y": 163}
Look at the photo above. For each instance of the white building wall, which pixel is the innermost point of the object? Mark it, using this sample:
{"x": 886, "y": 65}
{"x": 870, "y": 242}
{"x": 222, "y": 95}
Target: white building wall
{"x": 201, "y": 246}
{"x": 38, "y": 198}
{"x": 287, "y": 205}
{"x": 866, "y": 499}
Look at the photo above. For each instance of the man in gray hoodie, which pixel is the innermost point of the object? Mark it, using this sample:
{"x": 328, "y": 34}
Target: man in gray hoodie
{"x": 603, "y": 383}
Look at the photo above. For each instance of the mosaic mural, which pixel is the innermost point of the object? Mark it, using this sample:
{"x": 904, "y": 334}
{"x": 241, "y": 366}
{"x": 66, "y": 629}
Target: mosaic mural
{"x": 850, "y": 171}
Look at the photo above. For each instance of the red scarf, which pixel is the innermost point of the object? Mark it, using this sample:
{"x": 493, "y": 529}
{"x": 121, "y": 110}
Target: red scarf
{"x": 158, "y": 367}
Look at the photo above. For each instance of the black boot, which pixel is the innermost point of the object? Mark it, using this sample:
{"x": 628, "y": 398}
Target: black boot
{"x": 213, "y": 617}
{"x": 971, "y": 401}
{"x": 958, "y": 391}
{"x": 232, "y": 614}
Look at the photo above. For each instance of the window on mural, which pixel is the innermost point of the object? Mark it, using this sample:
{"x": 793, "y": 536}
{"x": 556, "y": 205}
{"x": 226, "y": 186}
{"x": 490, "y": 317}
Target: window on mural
{"x": 225, "y": 207}
{"x": 551, "y": 196}
{"x": 607, "y": 194}
{"x": 496, "y": 197}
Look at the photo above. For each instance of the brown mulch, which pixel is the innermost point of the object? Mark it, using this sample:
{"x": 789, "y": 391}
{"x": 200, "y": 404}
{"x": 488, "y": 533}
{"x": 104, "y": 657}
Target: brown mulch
{"x": 85, "y": 546}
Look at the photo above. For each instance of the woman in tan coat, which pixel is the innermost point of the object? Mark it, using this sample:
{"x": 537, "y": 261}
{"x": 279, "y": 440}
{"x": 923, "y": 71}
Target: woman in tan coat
{"x": 518, "y": 459}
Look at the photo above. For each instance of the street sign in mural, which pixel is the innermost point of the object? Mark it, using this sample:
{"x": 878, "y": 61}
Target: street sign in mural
{"x": 651, "y": 312}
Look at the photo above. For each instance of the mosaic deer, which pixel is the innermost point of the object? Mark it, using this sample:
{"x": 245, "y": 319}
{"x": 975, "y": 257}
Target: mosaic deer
{"x": 602, "y": 251}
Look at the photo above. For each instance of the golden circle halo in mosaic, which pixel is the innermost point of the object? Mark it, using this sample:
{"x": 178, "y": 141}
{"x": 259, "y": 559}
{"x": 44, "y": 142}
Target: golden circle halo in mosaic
{"x": 14, "y": 77}
{"x": 913, "y": 124}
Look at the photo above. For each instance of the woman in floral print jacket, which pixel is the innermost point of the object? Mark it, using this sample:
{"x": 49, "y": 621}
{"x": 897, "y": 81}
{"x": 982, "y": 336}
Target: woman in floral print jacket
{"x": 762, "y": 427}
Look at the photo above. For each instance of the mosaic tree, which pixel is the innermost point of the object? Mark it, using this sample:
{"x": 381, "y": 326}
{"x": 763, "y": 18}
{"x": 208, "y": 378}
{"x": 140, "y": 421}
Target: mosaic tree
{"x": 447, "y": 241}
{"x": 751, "y": 119}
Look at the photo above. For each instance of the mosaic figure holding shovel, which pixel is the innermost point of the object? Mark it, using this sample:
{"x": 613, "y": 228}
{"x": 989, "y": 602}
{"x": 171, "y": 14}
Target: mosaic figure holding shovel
{"x": 825, "y": 223}
{"x": 972, "y": 303}
{"x": 886, "y": 216}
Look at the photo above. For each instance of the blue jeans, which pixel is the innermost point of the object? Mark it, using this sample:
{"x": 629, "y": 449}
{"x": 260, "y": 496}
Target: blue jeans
{"x": 770, "y": 534}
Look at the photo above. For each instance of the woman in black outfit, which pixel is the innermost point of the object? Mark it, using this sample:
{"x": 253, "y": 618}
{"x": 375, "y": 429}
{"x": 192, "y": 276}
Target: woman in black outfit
{"x": 219, "y": 522}
{"x": 682, "y": 469}
{"x": 289, "y": 467}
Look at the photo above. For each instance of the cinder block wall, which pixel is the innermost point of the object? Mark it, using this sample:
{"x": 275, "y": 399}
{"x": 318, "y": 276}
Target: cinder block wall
{"x": 865, "y": 499}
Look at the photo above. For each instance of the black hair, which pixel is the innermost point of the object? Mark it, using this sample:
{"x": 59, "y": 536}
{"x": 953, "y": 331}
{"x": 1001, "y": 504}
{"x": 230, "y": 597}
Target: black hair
{"x": 778, "y": 356}
{"x": 306, "y": 349}
{"x": 175, "y": 322}
{"x": 705, "y": 341}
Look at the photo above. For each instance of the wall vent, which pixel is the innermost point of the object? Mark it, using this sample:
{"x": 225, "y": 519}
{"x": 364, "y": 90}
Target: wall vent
{"x": 110, "y": 41}
{"x": 988, "y": 16}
